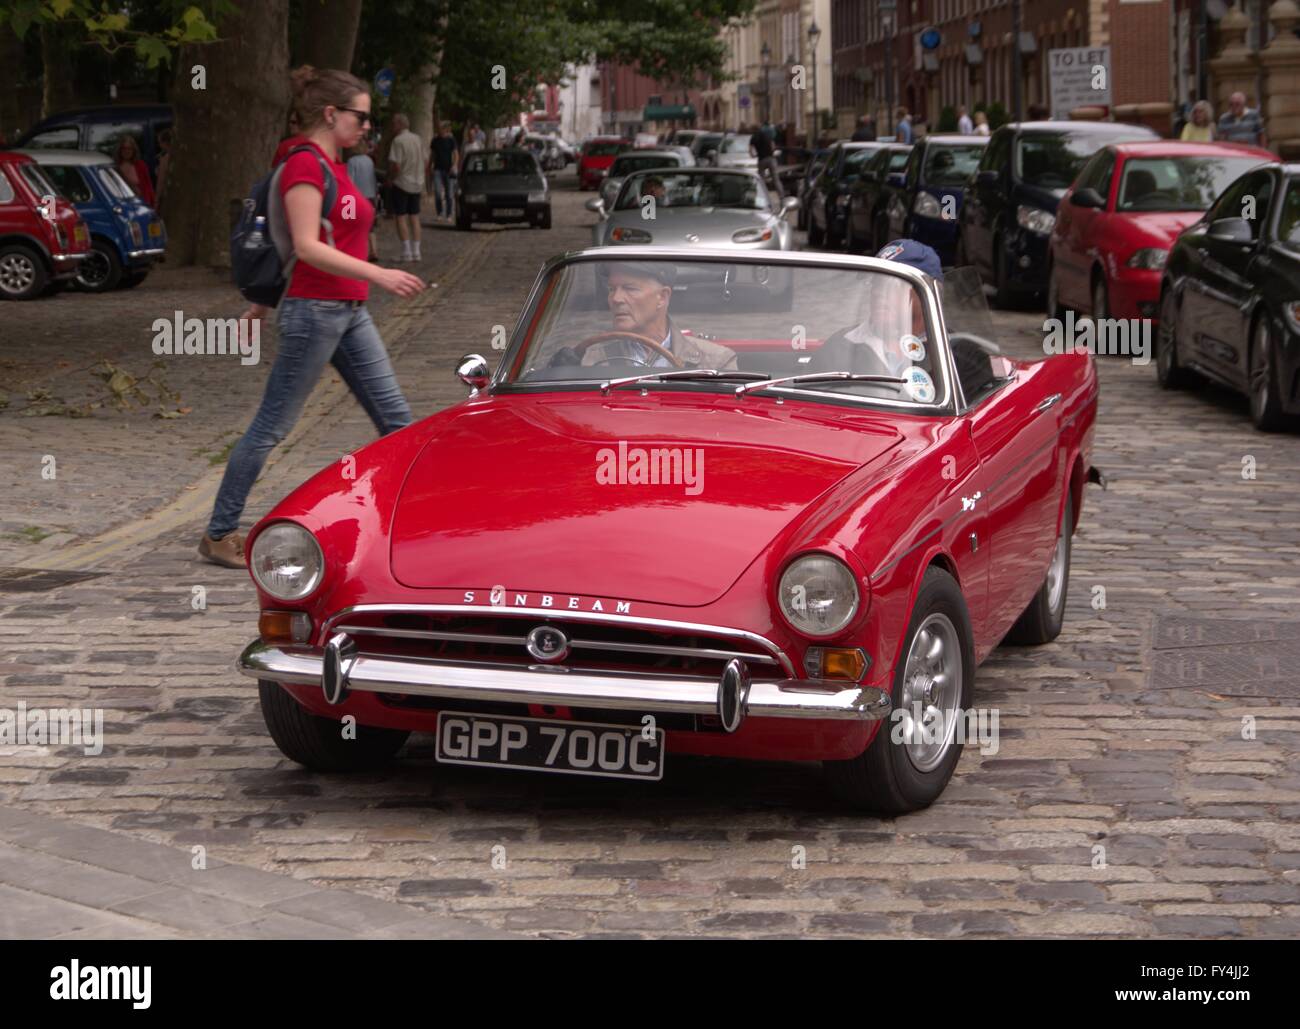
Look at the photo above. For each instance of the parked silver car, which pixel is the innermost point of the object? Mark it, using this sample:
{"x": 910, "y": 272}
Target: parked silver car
{"x": 733, "y": 152}
{"x": 639, "y": 160}
{"x": 706, "y": 207}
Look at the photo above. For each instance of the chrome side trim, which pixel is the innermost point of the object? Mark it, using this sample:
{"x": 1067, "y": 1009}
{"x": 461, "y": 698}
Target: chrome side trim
{"x": 562, "y": 616}
{"x": 783, "y": 698}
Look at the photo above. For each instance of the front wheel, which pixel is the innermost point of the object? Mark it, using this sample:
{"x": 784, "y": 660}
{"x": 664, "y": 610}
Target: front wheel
{"x": 914, "y": 752}
{"x": 22, "y": 273}
{"x": 1055, "y": 309}
{"x": 319, "y": 743}
{"x": 1042, "y": 620}
{"x": 544, "y": 219}
{"x": 1265, "y": 400}
{"x": 1169, "y": 373}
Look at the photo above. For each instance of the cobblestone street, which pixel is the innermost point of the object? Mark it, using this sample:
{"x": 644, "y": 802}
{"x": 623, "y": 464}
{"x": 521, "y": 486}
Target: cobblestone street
{"x": 1147, "y": 782}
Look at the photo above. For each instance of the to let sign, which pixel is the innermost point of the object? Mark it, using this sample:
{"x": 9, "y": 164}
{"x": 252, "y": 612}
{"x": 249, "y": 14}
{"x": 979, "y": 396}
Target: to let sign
{"x": 1079, "y": 77}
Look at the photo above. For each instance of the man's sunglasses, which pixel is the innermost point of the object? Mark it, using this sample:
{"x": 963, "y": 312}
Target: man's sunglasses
{"x": 362, "y": 116}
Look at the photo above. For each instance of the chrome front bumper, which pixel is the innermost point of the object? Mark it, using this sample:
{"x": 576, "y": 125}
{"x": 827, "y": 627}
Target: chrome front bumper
{"x": 338, "y": 668}
{"x": 148, "y": 252}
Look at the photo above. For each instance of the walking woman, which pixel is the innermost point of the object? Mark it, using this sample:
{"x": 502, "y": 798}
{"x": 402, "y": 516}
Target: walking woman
{"x": 323, "y": 316}
{"x": 130, "y": 165}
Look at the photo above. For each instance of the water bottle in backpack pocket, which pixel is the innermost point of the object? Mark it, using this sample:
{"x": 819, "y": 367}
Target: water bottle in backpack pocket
{"x": 261, "y": 247}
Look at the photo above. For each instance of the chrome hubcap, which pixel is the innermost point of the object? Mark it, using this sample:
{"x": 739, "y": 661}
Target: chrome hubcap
{"x": 1056, "y": 575}
{"x": 17, "y": 273}
{"x": 932, "y": 686}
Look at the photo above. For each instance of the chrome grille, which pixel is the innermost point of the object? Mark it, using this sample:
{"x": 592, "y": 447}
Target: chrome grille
{"x": 491, "y": 637}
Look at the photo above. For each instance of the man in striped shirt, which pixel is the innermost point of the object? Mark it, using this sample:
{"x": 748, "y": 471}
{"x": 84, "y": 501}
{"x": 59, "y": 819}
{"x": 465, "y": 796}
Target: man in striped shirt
{"x": 1241, "y": 125}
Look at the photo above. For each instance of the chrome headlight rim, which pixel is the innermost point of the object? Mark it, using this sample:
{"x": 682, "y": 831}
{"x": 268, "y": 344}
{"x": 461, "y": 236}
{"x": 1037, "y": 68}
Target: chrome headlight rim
{"x": 313, "y": 583}
{"x": 852, "y": 581}
{"x": 1035, "y": 219}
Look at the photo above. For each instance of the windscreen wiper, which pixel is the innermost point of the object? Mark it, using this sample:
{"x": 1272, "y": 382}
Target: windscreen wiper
{"x": 819, "y": 377}
{"x": 685, "y": 373}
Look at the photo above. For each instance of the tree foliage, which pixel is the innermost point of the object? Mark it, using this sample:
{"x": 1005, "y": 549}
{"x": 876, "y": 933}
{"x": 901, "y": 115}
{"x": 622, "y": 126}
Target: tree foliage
{"x": 183, "y": 21}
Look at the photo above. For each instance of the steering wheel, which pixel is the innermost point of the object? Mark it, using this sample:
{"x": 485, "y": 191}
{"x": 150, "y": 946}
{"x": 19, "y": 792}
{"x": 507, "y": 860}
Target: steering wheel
{"x": 658, "y": 348}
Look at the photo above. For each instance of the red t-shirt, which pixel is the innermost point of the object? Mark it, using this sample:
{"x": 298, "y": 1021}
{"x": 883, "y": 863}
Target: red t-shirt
{"x": 350, "y": 219}
{"x": 282, "y": 151}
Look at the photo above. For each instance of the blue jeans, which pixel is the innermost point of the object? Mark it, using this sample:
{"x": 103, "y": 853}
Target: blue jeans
{"x": 442, "y": 192}
{"x": 312, "y": 332}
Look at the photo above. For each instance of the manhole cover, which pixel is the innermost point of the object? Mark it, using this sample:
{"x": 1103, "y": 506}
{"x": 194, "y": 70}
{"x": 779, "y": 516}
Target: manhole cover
{"x": 1234, "y": 657}
{"x": 39, "y": 580}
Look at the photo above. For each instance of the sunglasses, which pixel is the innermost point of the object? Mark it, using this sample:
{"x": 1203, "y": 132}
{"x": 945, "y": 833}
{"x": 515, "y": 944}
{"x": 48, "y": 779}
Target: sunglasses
{"x": 362, "y": 116}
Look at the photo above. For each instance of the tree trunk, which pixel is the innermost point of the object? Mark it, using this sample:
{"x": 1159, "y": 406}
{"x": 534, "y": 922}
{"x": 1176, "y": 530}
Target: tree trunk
{"x": 58, "y": 93}
{"x": 426, "y": 87}
{"x": 329, "y": 32}
{"x": 224, "y": 136}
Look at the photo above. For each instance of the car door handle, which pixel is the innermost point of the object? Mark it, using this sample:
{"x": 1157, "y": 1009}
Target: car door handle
{"x": 1047, "y": 403}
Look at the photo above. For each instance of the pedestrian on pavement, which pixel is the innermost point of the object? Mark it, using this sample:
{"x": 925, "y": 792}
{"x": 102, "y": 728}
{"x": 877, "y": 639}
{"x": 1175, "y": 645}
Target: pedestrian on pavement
{"x": 323, "y": 317}
{"x": 406, "y": 173}
{"x": 1200, "y": 127}
{"x": 132, "y": 168}
{"x": 866, "y": 130}
{"x": 981, "y": 123}
{"x": 292, "y": 137}
{"x": 903, "y": 131}
{"x": 1241, "y": 124}
{"x": 444, "y": 158}
{"x": 361, "y": 170}
{"x": 964, "y": 125}
{"x": 760, "y": 146}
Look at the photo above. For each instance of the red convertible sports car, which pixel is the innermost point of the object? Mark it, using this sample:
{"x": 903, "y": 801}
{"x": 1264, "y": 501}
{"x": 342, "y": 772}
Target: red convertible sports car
{"x": 751, "y": 505}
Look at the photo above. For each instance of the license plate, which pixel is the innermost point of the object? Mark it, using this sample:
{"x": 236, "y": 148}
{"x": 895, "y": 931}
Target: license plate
{"x": 507, "y": 212}
{"x": 569, "y": 748}
{"x": 155, "y": 229}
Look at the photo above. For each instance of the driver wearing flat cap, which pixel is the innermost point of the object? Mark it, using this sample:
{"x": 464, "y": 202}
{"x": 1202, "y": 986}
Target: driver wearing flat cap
{"x": 638, "y": 294}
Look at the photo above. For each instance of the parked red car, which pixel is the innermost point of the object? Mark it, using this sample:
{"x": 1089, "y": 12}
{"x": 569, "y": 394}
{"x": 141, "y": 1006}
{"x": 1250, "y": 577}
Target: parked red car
{"x": 42, "y": 238}
{"x": 1116, "y": 224}
{"x": 597, "y": 155}
{"x": 660, "y": 528}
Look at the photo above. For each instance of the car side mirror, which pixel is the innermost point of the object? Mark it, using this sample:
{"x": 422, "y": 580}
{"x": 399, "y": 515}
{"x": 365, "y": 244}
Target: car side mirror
{"x": 596, "y": 205}
{"x": 896, "y": 179}
{"x": 1087, "y": 197}
{"x": 789, "y": 204}
{"x": 472, "y": 370}
{"x": 988, "y": 177}
{"x": 1231, "y": 230}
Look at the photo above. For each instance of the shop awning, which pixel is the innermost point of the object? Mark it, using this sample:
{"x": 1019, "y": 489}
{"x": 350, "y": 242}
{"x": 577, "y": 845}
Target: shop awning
{"x": 668, "y": 112}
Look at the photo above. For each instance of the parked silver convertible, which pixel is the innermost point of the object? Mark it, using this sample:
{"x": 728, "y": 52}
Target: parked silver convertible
{"x": 695, "y": 207}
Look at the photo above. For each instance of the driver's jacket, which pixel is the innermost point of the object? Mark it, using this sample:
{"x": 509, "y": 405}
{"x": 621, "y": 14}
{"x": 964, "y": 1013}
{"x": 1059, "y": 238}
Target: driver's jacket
{"x": 692, "y": 351}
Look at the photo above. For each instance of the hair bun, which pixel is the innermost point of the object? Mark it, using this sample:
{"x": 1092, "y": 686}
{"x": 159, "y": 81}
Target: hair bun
{"x": 302, "y": 77}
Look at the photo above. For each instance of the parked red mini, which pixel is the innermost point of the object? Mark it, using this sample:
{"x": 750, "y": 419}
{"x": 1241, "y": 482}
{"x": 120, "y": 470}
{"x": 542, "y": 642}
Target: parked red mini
{"x": 1117, "y": 222}
{"x": 42, "y": 237}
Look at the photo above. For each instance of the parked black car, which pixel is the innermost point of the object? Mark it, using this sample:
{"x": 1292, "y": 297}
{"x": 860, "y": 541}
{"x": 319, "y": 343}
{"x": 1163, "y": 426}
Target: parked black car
{"x": 925, "y": 198}
{"x": 502, "y": 186}
{"x": 828, "y": 201}
{"x": 866, "y": 227}
{"x": 1010, "y": 204}
{"x": 1230, "y": 296}
{"x": 99, "y": 128}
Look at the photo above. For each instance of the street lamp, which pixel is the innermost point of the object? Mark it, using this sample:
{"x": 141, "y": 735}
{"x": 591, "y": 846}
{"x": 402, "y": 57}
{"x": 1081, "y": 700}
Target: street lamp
{"x": 765, "y": 56}
{"x": 814, "y": 34}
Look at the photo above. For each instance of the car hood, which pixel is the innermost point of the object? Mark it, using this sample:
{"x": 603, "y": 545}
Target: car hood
{"x": 509, "y": 492}
{"x": 501, "y": 184}
{"x": 713, "y": 225}
{"x": 1161, "y": 227}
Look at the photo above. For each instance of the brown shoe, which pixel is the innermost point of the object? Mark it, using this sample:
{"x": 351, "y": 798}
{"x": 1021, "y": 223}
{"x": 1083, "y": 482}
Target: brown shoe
{"x": 227, "y": 551}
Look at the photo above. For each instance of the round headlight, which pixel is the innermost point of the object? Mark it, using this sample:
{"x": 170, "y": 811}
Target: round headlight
{"x": 286, "y": 561}
{"x": 817, "y": 595}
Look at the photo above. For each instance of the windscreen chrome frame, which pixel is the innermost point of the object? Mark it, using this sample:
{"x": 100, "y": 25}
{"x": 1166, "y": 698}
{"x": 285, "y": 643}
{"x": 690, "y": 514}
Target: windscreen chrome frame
{"x": 951, "y": 403}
